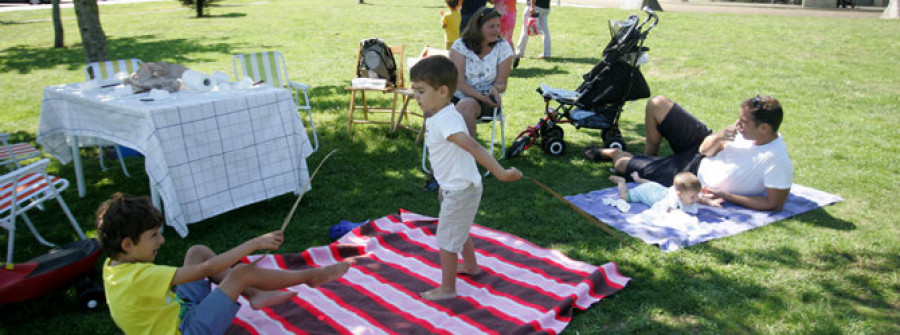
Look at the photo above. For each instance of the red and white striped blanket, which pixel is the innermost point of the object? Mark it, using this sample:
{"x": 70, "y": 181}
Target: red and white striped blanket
{"x": 523, "y": 289}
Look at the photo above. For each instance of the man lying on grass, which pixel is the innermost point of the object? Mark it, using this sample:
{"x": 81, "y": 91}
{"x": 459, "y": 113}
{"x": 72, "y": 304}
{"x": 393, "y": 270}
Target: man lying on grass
{"x": 746, "y": 163}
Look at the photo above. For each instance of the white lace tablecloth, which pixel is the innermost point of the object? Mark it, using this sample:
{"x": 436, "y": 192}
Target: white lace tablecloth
{"x": 205, "y": 152}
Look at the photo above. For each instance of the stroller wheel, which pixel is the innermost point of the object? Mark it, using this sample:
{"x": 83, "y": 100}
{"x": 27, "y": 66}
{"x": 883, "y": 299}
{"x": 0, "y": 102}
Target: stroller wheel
{"x": 617, "y": 143}
{"x": 555, "y": 146}
{"x": 612, "y": 138}
{"x": 518, "y": 146}
{"x": 553, "y": 132}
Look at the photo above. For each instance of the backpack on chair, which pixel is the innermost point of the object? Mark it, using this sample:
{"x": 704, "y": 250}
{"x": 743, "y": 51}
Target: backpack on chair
{"x": 376, "y": 61}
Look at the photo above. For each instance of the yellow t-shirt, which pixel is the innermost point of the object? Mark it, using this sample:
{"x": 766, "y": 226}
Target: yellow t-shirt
{"x": 451, "y": 20}
{"x": 139, "y": 297}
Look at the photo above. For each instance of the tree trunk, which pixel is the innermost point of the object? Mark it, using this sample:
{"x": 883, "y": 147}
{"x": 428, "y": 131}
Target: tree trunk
{"x": 58, "y": 40}
{"x": 93, "y": 40}
{"x": 199, "y": 5}
{"x": 892, "y": 11}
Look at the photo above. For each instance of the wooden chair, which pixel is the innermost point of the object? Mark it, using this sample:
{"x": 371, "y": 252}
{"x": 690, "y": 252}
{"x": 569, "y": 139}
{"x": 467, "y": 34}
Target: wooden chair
{"x": 405, "y": 112}
{"x": 398, "y": 92}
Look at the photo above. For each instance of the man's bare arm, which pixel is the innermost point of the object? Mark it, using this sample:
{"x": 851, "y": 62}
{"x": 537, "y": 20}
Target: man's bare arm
{"x": 773, "y": 200}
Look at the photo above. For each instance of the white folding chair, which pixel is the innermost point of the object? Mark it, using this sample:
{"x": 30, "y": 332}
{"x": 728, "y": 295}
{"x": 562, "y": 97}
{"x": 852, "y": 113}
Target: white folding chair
{"x": 271, "y": 67}
{"x": 108, "y": 69}
{"x": 12, "y": 154}
{"x": 497, "y": 116}
{"x": 105, "y": 70}
{"x": 24, "y": 189}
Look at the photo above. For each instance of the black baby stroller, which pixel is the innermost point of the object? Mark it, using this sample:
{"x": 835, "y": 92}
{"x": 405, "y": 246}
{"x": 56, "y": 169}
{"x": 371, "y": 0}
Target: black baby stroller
{"x": 598, "y": 101}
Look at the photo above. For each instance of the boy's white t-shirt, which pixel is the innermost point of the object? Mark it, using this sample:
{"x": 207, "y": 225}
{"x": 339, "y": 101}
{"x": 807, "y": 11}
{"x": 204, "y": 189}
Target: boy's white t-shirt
{"x": 454, "y": 168}
{"x": 745, "y": 168}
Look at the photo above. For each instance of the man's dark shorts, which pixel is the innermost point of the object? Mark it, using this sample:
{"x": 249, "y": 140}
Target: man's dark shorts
{"x": 486, "y": 110}
{"x": 685, "y": 134}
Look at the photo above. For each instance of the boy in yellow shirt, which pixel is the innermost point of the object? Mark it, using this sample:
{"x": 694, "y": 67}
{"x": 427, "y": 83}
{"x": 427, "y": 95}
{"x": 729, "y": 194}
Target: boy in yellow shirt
{"x": 139, "y": 293}
{"x": 450, "y": 22}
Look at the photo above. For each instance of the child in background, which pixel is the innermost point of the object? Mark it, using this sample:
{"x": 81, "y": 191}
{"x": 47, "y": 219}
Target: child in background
{"x": 450, "y": 22}
{"x": 539, "y": 9}
{"x": 139, "y": 293}
{"x": 507, "y": 10}
{"x": 453, "y": 154}
{"x": 683, "y": 195}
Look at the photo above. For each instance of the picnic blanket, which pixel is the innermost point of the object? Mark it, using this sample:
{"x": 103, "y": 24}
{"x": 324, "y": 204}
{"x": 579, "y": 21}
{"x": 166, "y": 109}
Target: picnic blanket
{"x": 523, "y": 288}
{"x": 712, "y": 222}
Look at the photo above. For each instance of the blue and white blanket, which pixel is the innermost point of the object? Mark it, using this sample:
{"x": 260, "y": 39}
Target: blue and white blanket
{"x": 675, "y": 232}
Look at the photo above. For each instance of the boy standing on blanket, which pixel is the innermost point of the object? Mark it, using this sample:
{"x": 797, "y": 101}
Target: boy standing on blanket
{"x": 683, "y": 195}
{"x": 453, "y": 154}
{"x": 139, "y": 293}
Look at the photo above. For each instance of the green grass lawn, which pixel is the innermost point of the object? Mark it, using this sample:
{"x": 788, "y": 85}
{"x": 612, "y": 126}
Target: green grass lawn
{"x": 832, "y": 270}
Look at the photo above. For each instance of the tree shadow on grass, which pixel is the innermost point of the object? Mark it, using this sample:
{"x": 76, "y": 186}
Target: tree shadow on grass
{"x": 855, "y": 288}
{"x": 225, "y": 16}
{"x": 699, "y": 287}
{"x": 25, "y": 58}
{"x": 333, "y": 97}
{"x": 566, "y": 60}
{"x": 526, "y": 72}
{"x": 820, "y": 217}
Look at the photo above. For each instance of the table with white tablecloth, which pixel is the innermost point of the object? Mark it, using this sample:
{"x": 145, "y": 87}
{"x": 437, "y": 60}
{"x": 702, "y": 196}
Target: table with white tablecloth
{"x": 205, "y": 152}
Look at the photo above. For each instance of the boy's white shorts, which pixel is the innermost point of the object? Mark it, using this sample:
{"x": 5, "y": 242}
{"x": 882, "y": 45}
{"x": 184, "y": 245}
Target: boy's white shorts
{"x": 458, "y": 209}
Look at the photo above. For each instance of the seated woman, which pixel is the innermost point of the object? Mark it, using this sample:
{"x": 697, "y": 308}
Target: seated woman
{"x": 483, "y": 66}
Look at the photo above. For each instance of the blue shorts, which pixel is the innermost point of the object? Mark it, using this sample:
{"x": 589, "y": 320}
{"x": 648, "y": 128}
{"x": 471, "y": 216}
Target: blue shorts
{"x": 205, "y": 312}
{"x": 647, "y": 193}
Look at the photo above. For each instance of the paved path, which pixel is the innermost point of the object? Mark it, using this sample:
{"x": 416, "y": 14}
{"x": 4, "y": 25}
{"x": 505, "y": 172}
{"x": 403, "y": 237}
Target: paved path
{"x": 728, "y": 7}
{"x": 698, "y": 6}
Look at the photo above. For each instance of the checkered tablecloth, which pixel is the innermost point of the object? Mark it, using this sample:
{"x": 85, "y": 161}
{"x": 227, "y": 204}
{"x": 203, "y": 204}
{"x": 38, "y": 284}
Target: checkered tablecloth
{"x": 205, "y": 153}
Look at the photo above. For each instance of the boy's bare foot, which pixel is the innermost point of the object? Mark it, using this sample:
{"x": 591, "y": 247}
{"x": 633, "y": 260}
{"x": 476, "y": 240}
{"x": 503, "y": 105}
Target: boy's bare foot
{"x": 437, "y": 294}
{"x": 263, "y": 299}
{"x": 329, "y": 273}
{"x": 462, "y": 270}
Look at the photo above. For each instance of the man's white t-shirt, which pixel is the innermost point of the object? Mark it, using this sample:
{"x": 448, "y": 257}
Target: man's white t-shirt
{"x": 744, "y": 168}
{"x": 454, "y": 168}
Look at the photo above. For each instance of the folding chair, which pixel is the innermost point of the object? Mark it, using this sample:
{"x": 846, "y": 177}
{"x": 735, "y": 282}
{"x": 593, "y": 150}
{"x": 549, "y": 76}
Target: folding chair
{"x": 12, "y": 154}
{"x": 497, "y": 116}
{"x": 24, "y": 189}
{"x": 106, "y": 70}
{"x": 397, "y": 89}
{"x": 271, "y": 67}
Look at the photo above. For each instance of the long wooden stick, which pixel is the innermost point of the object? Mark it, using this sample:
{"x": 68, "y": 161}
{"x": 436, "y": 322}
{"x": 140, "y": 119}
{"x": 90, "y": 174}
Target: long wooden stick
{"x": 297, "y": 202}
{"x": 305, "y": 187}
{"x": 587, "y": 216}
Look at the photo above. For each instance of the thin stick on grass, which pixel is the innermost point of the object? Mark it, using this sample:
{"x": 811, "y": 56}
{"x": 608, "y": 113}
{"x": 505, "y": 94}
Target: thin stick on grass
{"x": 297, "y": 202}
